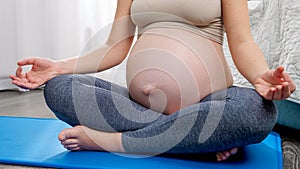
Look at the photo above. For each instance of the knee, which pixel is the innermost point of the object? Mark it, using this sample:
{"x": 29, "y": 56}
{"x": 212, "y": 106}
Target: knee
{"x": 264, "y": 110}
{"x": 262, "y": 116}
{"x": 58, "y": 97}
{"x": 53, "y": 85}
{"x": 266, "y": 119}
{"x": 55, "y": 89}
{"x": 256, "y": 115}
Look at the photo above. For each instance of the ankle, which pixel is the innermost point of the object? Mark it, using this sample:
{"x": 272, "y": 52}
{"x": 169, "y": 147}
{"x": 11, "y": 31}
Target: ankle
{"x": 118, "y": 143}
{"x": 112, "y": 142}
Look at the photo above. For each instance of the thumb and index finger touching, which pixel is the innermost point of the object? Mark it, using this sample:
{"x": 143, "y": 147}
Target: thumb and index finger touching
{"x": 278, "y": 75}
{"x": 284, "y": 77}
{"x": 287, "y": 79}
{"x": 278, "y": 72}
{"x": 281, "y": 73}
{"x": 19, "y": 71}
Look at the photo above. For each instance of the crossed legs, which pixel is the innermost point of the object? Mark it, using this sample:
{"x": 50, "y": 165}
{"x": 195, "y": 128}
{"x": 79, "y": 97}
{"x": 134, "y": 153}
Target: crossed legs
{"x": 98, "y": 109}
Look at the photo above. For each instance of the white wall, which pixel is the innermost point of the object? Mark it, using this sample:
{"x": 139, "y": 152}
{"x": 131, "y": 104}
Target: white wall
{"x": 7, "y": 37}
{"x": 54, "y": 29}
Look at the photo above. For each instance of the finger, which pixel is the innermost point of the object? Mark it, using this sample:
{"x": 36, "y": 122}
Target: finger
{"x": 15, "y": 82}
{"x": 19, "y": 72}
{"x": 274, "y": 77}
{"x": 288, "y": 79}
{"x": 28, "y": 61}
{"x": 30, "y": 85}
{"x": 270, "y": 93}
{"x": 20, "y": 79}
{"x": 278, "y": 93}
{"x": 25, "y": 85}
{"x": 278, "y": 71}
{"x": 20, "y": 84}
{"x": 13, "y": 77}
{"x": 28, "y": 77}
{"x": 286, "y": 92}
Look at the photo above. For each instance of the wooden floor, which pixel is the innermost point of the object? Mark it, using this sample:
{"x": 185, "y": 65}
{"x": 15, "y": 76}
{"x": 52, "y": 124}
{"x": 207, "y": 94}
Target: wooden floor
{"x": 25, "y": 104}
{"x": 32, "y": 104}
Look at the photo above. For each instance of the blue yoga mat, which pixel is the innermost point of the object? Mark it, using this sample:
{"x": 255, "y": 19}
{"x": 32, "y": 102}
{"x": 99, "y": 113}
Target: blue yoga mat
{"x": 33, "y": 142}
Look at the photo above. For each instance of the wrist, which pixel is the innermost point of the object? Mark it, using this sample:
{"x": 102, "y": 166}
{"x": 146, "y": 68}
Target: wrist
{"x": 61, "y": 67}
{"x": 258, "y": 75}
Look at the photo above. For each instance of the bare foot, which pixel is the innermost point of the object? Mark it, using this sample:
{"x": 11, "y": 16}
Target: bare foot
{"x": 84, "y": 138}
{"x": 76, "y": 139}
{"x": 222, "y": 156}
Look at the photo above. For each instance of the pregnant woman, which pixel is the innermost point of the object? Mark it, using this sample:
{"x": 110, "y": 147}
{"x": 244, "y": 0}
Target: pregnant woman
{"x": 180, "y": 96}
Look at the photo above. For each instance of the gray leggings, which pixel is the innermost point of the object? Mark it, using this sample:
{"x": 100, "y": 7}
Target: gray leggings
{"x": 234, "y": 117}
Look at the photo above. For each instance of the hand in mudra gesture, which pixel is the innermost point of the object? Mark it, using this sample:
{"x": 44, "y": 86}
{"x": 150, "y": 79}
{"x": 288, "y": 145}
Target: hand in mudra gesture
{"x": 42, "y": 70}
{"x": 275, "y": 84}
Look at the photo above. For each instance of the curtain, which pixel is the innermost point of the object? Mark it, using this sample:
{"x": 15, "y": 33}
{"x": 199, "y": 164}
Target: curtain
{"x": 55, "y": 29}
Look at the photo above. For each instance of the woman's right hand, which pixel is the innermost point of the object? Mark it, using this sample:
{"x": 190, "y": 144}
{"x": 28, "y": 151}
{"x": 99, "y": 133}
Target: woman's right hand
{"x": 42, "y": 70}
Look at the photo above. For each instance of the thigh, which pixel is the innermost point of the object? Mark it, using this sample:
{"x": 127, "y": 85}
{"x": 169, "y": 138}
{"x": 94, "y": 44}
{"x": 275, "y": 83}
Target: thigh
{"x": 95, "y": 103}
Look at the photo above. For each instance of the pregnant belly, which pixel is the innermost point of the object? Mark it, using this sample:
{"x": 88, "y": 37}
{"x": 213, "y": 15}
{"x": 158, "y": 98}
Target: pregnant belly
{"x": 170, "y": 69}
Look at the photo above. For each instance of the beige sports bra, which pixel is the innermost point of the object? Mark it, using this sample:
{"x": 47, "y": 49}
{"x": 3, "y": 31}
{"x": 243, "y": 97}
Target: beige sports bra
{"x": 203, "y": 17}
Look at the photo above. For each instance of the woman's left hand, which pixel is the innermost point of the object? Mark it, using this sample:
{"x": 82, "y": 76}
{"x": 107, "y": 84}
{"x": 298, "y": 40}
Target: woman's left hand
{"x": 275, "y": 84}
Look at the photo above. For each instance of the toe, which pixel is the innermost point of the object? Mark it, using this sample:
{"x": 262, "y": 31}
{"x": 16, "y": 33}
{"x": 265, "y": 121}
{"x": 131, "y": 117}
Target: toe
{"x": 233, "y": 151}
{"x": 71, "y": 146}
{"x": 68, "y": 134}
{"x": 62, "y": 135}
{"x": 227, "y": 154}
{"x": 70, "y": 142}
{"x": 219, "y": 156}
{"x": 76, "y": 149}
{"x": 224, "y": 157}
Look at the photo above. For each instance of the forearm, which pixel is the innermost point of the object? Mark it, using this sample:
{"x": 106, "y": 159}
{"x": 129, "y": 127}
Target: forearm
{"x": 249, "y": 60}
{"x": 82, "y": 64}
{"x": 246, "y": 55}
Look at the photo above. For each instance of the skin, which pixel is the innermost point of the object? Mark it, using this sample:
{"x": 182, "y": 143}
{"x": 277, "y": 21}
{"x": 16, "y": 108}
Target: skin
{"x": 203, "y": 69}
{"x": 273, "y": 84}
